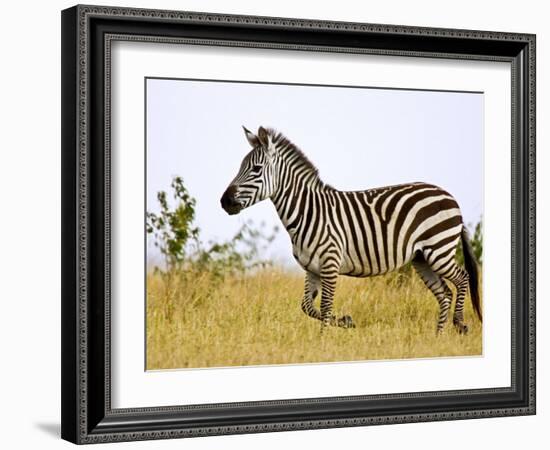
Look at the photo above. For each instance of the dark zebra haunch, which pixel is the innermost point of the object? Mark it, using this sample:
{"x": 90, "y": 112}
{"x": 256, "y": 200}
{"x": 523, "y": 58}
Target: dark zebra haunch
{"x": 356, "y": 233}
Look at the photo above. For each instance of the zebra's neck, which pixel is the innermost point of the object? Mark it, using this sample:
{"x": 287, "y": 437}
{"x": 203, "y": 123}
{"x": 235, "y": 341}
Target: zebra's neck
{"x": 298, "y": 183}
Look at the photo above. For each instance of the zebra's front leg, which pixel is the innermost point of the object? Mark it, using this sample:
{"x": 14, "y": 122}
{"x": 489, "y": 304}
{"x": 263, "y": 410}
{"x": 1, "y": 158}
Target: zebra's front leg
{"x": 313, "y": 283}
{"x": 312, "y": 286}
{"x": 328, "y": 283}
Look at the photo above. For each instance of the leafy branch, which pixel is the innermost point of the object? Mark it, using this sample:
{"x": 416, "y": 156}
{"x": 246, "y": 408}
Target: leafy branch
{"x": 178, "y": 239}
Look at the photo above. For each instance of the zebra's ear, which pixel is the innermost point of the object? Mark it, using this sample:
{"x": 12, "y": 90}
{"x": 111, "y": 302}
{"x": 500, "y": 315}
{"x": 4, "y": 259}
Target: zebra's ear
{"x": 251, "y": 137}
{"x": 263, "y": 137}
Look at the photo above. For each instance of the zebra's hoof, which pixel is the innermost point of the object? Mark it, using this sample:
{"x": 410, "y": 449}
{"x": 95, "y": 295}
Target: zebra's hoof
{"x": 462, "y": 328}
{"x": 346, "y": 322}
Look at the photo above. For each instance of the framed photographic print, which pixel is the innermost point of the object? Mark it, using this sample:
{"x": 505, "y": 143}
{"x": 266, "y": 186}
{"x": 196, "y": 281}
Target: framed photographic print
{"x": 279, "y": 224}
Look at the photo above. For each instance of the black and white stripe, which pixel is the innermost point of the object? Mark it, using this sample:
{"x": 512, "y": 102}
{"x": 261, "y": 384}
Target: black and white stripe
{"x": 359, "y": 233}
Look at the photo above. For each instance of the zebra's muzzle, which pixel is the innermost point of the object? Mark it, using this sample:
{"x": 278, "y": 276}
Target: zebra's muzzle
{"x": 229, "y": 202}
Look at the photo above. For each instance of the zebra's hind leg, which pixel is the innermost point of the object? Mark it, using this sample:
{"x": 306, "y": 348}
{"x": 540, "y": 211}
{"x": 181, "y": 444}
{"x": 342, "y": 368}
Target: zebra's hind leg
{"x": 312, "y": 286}
{"x": 439, "y": 289}
{"x": 459, "y": 277}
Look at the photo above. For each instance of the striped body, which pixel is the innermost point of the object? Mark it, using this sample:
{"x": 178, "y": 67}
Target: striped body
{"x": 356, "y": 233}
{"x": 371, "y": 232}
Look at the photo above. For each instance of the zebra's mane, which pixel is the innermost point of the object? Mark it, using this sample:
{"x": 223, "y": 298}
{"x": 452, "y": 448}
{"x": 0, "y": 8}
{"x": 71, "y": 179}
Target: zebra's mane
{"x": 284, "y": 144}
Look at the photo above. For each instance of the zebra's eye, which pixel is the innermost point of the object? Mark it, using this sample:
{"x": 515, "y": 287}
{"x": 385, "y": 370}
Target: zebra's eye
{"x": 256, "y": 168}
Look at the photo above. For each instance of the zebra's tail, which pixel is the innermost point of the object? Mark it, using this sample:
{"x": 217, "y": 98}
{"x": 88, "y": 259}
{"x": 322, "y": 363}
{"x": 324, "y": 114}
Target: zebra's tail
{"x": 471, "y": 267}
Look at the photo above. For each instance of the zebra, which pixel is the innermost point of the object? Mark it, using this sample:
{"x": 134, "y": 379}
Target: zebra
{"x": 356, "y": 233}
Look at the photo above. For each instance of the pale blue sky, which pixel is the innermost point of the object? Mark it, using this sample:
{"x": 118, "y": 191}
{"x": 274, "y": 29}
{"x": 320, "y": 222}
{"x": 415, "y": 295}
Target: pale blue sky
{"x": 358, "y": 138}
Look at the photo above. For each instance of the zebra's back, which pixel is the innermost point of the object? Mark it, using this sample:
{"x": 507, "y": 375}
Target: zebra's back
{"x": 382, "y": 229}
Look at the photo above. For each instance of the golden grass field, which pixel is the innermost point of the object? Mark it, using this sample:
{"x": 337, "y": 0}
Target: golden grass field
{"x": 194, "y": 321}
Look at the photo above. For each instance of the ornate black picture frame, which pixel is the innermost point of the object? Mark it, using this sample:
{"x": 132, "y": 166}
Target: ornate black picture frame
{"x": 87, "y": 34}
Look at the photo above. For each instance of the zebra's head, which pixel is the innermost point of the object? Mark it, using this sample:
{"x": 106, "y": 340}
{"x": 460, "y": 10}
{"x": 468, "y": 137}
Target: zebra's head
{"x": 255, "y": 180}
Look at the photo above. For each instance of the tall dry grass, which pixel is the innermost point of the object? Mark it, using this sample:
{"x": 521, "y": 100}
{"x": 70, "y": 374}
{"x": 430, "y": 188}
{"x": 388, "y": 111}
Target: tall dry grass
{"x": 194, "y": 320}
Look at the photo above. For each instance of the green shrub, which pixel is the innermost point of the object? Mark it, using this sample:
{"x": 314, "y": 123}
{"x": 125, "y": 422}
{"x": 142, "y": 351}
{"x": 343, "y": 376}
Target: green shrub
{"x": 178, "y": 239}
{"x": 173, "y": 230}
